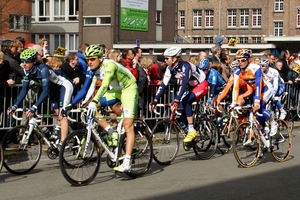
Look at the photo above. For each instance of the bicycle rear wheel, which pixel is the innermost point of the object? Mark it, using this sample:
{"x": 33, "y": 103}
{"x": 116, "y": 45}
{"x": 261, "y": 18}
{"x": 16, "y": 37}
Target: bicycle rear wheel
{"x": 77, "y": 168}
{"x": 281, "y": 143}
{"x": 165, "y": 141}
{"x": 206, "y": 144}
{"x": 17, "y": 158}
{"x": 142, "y": 153}
{"x": 246, "y": 155}
{"x": 1, "y": 157}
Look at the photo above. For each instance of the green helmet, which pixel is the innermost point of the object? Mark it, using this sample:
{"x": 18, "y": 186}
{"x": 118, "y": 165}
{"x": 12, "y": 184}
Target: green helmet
{"x": 28, "y": 55}
{"x": 93, "y": 51}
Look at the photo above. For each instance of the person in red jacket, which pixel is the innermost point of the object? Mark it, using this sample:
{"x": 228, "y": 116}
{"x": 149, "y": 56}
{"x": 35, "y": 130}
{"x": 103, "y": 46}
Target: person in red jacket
{"x": 127, "y": 57}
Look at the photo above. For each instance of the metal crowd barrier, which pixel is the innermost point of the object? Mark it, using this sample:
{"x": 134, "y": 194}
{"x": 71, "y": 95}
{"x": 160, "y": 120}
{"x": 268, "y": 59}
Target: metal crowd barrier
{"x": 10, "y": 94}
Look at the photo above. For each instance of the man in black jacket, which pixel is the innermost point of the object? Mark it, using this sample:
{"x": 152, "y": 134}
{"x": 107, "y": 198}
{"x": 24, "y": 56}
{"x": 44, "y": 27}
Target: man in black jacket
{"x": 73, "y": 72}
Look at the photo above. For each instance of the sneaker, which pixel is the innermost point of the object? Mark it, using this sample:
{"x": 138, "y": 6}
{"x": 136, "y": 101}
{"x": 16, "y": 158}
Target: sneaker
{"x": 190, "y": 136}
{"x": 274, "y": 128}
{"x": 282, "y": 114}
{"x": 122, "y": 168}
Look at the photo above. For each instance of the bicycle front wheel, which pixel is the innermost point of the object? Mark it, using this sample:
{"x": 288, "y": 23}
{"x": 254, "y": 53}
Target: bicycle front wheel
{"x": 79, "y": 167}
{"x": 246, "y": 155}
{"x": 207, "y": 141}
{"x": 19, "y": 158}
{"x": 1, "y": 157}
{"x": 165, "y": 141}
{"x": 281, "y": 143}
{"x": 142, "y": 153}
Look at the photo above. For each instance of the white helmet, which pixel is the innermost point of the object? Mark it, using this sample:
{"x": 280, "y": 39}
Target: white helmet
{"x": 172, "y": 51}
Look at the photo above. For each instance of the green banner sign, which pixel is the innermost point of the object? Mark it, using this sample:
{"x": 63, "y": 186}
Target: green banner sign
{"x": 134, "y": 15}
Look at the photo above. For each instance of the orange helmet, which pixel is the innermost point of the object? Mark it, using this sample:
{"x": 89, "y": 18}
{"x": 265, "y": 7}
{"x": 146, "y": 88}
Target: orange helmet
{"x": 243, "y": 53}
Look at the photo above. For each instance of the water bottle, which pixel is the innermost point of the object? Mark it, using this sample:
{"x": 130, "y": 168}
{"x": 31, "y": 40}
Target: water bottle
{"x": 45, "y": 131}
{"x": 55, "y": 132}
{"x": 267, "y": 132}
{"x": 115, "y": 138}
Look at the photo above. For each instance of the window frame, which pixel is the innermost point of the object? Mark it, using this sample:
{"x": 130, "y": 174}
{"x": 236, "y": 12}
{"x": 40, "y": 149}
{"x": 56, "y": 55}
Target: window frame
{"x": 278, "y": 5}
{"x": 98, "y": 20}
{"x": 256, "y": 17}
{"x": 231, "y": 17}
{"x": 196, "y": 40}
{"x": 18, "y": 22}
{"x": 209, "y": 18}
{"x": 244, "y": 17}
{"x": 197, "y": 18}
{"x": 298, "y": 18}
{"x": 208, "y": 40}
{"x": 278, "y": 28}
{"x": 243, "y": 40}
{"x": 181, "y": 19}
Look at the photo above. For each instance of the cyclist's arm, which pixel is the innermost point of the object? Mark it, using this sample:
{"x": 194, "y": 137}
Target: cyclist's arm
{"x": 91, "y": 90}
{"x": 258, "y": 81}
{"x": 226, "y": 89}
{"x": 24, "y": 90}
{"x": 45, "y": 86}
{"x": 236, "y": 86}
{"x": 82, "y": 92}
{"x": 276, "y": 81}
{"x": 164, "y": 83}
{"x": 185, "y": 81}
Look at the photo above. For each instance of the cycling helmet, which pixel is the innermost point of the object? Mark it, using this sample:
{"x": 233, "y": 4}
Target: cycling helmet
{"x": 28, "y": 55}
{"x": 172, "y": 51}
{"x": 263, "y": 62}
{"x": 243, "y": 53}
{"x": 203, "y": 64}
{"x": 93, "y": 51}
{"x": 234, "y": 64}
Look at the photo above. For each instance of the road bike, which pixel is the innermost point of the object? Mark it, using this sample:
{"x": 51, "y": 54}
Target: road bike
{"x": 80, "y": 153}
{"x": 22, "y": 145}
{"x": 247, "y": 154}
{"x": 167, "y": 135}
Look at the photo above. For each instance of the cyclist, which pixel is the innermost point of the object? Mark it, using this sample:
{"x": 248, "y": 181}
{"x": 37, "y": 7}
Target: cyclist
{"x": 215, "y": 80}
{"x": 252, "y": 74}
{"x": 193, "y": 86}
{"x": 121, "y": 82}
{"x": 43, "y": 74}
{"x": 277, "y": 81}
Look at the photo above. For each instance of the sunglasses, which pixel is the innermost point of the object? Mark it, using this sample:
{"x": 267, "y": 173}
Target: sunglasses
{"x": 242, "y": 60}
{"x": 91, "y": 59}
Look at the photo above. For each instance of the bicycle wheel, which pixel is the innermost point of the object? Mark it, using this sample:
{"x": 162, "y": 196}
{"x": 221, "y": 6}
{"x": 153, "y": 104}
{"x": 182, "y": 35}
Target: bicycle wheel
{"x": 142, "y": 153}
{"x": 77, "y": 168}
{"x": 246, "y": 155}
{"x": 289, "y": 119}
{"x": 226, "y": 128}
{"x": 281, "y": 143}
{"x": 165, "y": 142}
{"x": 1, "y": 157}
{"x": 206, "y": 143}
{"x": 17, "y": 158}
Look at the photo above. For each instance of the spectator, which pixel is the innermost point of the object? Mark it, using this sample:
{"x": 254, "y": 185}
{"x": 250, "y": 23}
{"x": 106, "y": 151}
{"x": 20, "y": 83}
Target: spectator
{"x": 284, "y": 57}
{"x": 43, "y": 42}
{"x": 202, "y": 55}
{"x": 225, "y": 65}
{"x": 194, "y": 60}
{"x": 293, "y": 80}
{"x": 115, "y": 55}
{"x": 278, "y": 66}
{"x": 21, "y": 39}
{"x": 219, "y": 40}
{"x": 157, "y": 71}
{"x": 271, "y": 59}
{"x": 82, "y": 63}
{"x": 11, "y": 48}
{"x": 138, "y": 53}
{"x": 216, "y": 51}
{"x": 73, "y": 72}
{"x": 127, "y": 57}
{"x": 255, "y": 60}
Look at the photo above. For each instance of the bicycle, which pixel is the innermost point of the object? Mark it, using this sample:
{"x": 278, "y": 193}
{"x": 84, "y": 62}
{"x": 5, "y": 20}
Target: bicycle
{"x": 22, "y": 145}
{"x": 80, "y": 153}
{"x": 167, "y": 134}
{"x": 247, "y": 155}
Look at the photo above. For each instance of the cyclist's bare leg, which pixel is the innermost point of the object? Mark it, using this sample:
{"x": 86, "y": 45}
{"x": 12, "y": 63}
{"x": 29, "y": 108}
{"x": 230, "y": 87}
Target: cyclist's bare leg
{"x": 129, "y": 129}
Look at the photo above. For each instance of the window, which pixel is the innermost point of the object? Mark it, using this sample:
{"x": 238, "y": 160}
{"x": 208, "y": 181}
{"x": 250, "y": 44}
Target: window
{"x": 59, "y": 10}
{"x": 197, "y": 20}
{"x": 243, "y": 40}
{"x": 73, "y": 10}
{"x": 103, "y": 20}
{"x": 44, "y": 10}
{"x": 231, "y": 18}
{"x": 209, "y": 18}
{"x": 256, "y": 40}
{"x": 19, "y": 22}
{"x": 208, "y": 40}
{"x": 73, "y": 42}
{"x": 298, "y": 17}
{"x": 256, "y": 17}
{"x": 278, "y": 28}
{"x": 158, "y": 17}
{"x": 197, "y": 40}
{"x": 278, "y": 6}
{"x": 244, "y": 18}
{"x": 181, "y": 19}
{"x": 59, "y": 40}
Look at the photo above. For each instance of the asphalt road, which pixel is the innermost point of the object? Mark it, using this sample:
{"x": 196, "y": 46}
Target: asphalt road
{"x": 187, "y": 178}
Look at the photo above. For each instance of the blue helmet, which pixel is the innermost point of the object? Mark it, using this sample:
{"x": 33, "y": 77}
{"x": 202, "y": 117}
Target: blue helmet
{"x": 263, "y": 62}
{"x": 203, "y": 64}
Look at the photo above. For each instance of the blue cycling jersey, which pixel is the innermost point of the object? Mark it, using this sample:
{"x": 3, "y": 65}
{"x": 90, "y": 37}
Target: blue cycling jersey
{"x": 215, "y": 81}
